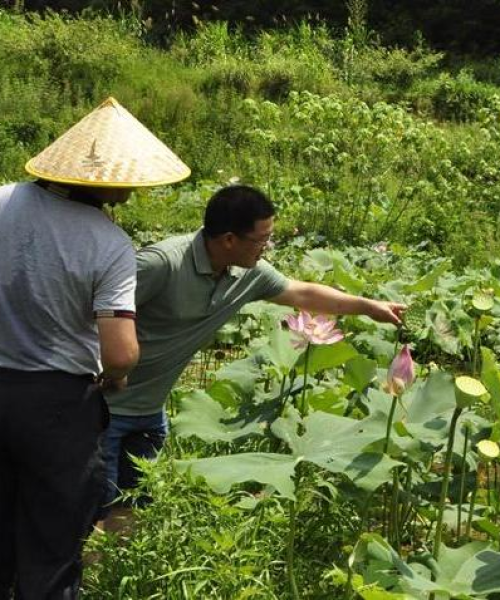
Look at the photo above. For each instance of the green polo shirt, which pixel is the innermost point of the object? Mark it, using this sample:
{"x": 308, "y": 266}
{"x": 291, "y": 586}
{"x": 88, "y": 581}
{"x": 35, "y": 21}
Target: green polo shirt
{"x": 180, "y": 306}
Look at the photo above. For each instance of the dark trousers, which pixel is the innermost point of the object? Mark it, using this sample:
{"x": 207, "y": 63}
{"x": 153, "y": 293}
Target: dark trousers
{"x": 52, "y": 480}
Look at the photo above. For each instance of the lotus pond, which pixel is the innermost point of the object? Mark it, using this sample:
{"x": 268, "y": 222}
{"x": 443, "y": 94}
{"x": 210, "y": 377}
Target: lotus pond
{"x": 333, "y": 460}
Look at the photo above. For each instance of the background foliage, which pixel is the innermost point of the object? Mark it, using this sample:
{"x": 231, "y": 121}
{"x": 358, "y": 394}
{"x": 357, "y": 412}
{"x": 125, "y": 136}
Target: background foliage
{"x": 453, "y": 25}
{"x": 356, "y": 142}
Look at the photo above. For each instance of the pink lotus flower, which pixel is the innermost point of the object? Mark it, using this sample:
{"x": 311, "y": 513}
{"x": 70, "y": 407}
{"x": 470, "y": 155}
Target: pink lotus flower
{"x": 313, "y": 330}
{"x": 401, "y": 373}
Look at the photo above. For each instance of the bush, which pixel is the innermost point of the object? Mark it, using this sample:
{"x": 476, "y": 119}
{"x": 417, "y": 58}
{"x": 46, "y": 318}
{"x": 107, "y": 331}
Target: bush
{"x": 461, "y": 98}
{"x": 233, "y": 75}
{"x": 397, "y": 68}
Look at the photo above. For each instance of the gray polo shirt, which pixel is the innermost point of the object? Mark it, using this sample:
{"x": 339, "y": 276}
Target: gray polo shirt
{"x": 180, "y": 306}
{"x": 61, "y": 262}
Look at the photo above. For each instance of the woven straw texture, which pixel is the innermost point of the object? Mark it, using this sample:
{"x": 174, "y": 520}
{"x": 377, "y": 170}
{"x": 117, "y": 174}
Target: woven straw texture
{"x": 108, "y": 148}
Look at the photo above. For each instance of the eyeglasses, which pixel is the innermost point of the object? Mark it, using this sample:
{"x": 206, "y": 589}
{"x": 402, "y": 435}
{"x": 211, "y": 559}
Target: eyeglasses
{"x": 262, "y": 242}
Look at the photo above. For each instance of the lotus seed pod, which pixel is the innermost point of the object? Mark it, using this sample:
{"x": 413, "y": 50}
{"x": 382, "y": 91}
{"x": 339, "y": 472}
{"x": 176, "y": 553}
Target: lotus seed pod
{"x": 414, "y": 316}
{"x": 488, "y": 450}
{"x": 482, "y": 302}
{"x": 468, "y": 390}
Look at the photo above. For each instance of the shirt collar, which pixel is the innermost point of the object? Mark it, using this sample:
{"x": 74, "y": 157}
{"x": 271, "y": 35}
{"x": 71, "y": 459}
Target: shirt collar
{"x": 202, "y": 260}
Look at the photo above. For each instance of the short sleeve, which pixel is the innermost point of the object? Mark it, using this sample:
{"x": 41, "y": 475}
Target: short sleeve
{"x": 114, "y": 290}
{"x": 152, "y": 271}
{"x": 271, "y": 282}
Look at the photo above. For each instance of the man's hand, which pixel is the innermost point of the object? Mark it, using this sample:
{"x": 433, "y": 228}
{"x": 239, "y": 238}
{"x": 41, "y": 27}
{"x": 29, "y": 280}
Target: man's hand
{"x": 386, "y": 312}
{"x": 109, "y": 384}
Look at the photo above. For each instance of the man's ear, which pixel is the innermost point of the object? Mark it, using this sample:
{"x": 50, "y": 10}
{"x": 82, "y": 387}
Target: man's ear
{"x": 228, "y": 239}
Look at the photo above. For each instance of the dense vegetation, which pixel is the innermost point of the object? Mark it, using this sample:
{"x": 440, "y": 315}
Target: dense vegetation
{"x": 354, "y": 141}
{"x": 452, "y": 25}
{"x": 296, "y": 473}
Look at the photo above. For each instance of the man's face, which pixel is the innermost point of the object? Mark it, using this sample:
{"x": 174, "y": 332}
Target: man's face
{"x": 112, "y": 195}
{"x": 246, "y": 249}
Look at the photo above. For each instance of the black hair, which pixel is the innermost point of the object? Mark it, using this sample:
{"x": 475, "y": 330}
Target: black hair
{"x": 235, "y": 209}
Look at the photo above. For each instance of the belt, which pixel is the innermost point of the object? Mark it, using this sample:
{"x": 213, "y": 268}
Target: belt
{"x": 18, "y": 375}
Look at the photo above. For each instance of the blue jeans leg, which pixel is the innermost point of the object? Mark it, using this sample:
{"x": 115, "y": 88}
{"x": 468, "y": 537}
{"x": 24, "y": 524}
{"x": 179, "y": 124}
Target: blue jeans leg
{"x": 141, "y": 436}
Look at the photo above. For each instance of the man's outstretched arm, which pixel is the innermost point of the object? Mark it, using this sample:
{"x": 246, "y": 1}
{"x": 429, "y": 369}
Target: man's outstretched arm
{"x": 319, "y": 298}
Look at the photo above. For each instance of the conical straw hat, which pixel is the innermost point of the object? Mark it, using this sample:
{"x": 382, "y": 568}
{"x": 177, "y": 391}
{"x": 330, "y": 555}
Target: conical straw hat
{"x": 108, "y": 148}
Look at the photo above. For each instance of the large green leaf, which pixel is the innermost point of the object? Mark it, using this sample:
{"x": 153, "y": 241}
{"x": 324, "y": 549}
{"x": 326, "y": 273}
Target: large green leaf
{"x": 338, "y": 444}
{"x": 379, "y": 401}
{"x": 244, "y": 373}
{"x": 490, "y": 376}
{"x": 280, "y": 352}
{"x": 200, "y": 415}
{"x": 401, "y": 441}
{"x": 440, "y": 330}
{"x": 435, "y": 397}
{"x": 327, "y": 357}
{"x": 382, "y": 349}
{"x": 471, "y": 571}
{"x": 225, "y": 393}
{"x": 331, "y": 442}
{"x": 320, "y": 260}
{"x": 367, "y": 592}
{"x": 327, "y": 400}
{"x": 430, "y": 407}
{"x": 360, "y": 372}
{"x": 342, "y": 277}
{"x": 429, "y": 280}
{"x": 222, "y": 472}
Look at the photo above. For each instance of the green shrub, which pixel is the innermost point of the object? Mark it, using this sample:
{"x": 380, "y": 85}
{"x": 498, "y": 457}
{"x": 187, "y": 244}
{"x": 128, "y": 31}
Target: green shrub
{"x": 211, "y": 43}
{"x": 397, "y": 68}
{"x": 234, "y": 75}
{"x": 461, "y": 98}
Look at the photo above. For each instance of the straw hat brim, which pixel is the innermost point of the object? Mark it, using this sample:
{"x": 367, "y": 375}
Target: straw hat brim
{"x": 108, "y": 148}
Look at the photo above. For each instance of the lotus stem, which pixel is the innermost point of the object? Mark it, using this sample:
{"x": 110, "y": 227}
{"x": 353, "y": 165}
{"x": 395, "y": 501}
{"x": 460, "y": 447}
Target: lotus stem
{"x": 290, "y": 553}
{"x": 395, "y": 510}
{"x": 472, "y": 505}
{"x": 348, "y": 591}
{"x": 390, "y": 418}
{"x": 407, "y": 507}
{"x": 389, "y": 423}
{"x": 282, "y": 398}
{"x": 462, "y": 483}
{"x": 495, "y": 487}
{"x": 477, "y": 337}
{"x": 488, "y": 485}
{"x": 385, "y": 517}
{"x": 304, "y": 409}
{"x": 444, "y": 486}
{"x": 275, "y": 442}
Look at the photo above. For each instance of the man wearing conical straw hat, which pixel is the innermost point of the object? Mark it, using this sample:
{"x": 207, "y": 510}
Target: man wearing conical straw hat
{"x": 67, "y": 285}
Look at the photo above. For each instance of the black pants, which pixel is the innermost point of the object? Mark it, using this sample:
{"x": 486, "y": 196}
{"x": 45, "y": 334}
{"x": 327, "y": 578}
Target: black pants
{"x": 52, "y": 480}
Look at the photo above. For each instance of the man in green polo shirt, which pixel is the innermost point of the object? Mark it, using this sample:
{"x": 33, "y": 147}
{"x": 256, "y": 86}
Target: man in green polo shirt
{"x": 187, "y": 288}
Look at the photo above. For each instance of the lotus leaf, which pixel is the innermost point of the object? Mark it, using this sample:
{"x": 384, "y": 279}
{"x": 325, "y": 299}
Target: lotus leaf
{"x": 471, "y": 571}
{"x": 331, "y": 442}
{"x": 202, "y": 416}
{"x": 428, "y": 281}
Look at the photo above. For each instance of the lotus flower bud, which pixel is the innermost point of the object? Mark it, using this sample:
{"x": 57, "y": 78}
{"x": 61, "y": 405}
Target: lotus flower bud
{"x": 401, "y": 373}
